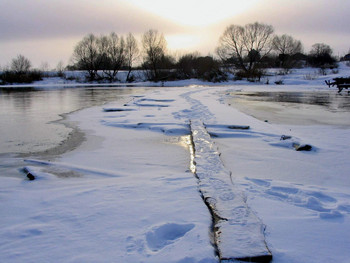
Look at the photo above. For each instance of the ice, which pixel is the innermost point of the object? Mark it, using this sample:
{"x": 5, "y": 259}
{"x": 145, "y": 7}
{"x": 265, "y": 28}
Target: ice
{"x": 238, "y": 232}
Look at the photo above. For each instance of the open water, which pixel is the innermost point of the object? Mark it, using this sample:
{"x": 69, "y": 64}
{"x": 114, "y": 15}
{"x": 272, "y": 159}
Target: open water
{"x": 295, "y": 108}
{"x": 30, "y": 118}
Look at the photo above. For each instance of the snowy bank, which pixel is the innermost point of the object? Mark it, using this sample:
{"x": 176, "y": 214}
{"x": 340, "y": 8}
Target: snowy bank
{"x": 274, "y": 77}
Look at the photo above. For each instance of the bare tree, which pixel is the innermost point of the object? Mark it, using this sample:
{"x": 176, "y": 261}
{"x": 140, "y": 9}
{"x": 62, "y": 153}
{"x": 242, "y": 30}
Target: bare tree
{"x": 320, "y": 49}
{"x": 186, "y": 65}
{"x": 19, "y": 71}
{"x": 112, "y": 49}
{"x": 154, "y": 47}
{"x": 60, "y": 68}
{"x": 87, "y": 55}
{"x": 131, "y": 53}
{"x": 246, "y": 46}
{"x": 286, "y": 46}
{"x": 20, "y": 64}
{"x": 104, "y": 53}
{"x": 321, "y": 55}
{"x": 44, "y": 66}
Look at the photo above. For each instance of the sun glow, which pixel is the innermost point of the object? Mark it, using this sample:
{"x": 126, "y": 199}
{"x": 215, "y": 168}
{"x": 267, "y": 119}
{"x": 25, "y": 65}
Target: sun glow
{"x": 180, "y": 42}
{"x": 195, "y": 12}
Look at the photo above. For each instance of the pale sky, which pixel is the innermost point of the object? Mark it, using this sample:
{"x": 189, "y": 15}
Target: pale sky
{"x": 48, "y": 30}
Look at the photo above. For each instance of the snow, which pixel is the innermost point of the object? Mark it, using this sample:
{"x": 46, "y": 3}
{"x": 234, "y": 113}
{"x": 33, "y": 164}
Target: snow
{"x": 238, "y": 232}
{"x": 127, "y": 194}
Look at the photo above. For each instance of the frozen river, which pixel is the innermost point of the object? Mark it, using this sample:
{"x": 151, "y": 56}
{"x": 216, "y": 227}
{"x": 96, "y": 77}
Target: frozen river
{"x": 32, "y": 121}
{"x": 30, "y": 118}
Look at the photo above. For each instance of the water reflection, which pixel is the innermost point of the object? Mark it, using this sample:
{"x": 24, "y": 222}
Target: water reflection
{"x": 28, "y": 115}
{"x": 327, "y": 99}
{"x": 295, "y": 107}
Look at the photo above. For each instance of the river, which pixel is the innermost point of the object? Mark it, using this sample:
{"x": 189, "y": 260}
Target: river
{"x": 32, "y": 121}
{"x": 295, "y": 107}
{"x": 30, "y": 118}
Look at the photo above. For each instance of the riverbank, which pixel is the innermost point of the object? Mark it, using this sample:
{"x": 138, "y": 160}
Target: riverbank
{"x": 274, "y": 77}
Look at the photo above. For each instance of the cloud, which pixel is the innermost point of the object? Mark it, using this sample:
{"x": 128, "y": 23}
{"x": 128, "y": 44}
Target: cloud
{"x": 25, "y": 19}
{"x": 307, "y": 20}
{"x": 27, "y": 24}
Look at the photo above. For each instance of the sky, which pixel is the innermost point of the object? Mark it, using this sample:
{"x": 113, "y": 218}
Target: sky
{"x": 46, "y": 31}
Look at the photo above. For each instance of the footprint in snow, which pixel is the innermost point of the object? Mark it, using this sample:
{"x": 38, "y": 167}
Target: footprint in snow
{"x": 327, "y": 206}
{"x": 161, "y": 236}
{"x": 133, "y": 245}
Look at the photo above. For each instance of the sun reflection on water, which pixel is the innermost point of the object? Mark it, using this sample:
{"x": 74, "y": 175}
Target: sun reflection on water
{"x": 186, "y": 141}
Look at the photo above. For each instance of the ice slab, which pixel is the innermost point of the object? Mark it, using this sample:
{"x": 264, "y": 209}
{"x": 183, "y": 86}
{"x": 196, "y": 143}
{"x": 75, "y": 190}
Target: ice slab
{"x": 238, "y": 233}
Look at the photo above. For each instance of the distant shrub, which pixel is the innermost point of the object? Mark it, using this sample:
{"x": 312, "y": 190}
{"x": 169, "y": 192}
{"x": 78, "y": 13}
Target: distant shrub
{"x": 252, "y": 76}
{"x": 10, "y": 77}
{"x": 284, "y": 71}
{"x": 321, "y": 56}
{"x": 20, "y": 65}
{"x": 60, "y": 70}
{"x": 20, "y": 72}
{"x": 335, "y": 71}
{"x": 323, "y": 71}
{"x": 279, "y": 82}
{"x": 310, "y": 76}
{"x": 208, "y": 69}
{"x": 195, "y": 66}
{"x": 72, "y": 78}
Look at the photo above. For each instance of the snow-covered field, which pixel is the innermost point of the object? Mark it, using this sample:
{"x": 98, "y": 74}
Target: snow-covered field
{"x": 127, "y": 194}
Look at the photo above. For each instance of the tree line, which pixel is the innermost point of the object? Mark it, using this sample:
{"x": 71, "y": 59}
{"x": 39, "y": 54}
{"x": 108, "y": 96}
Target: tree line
{"x": 254, "y": 47}
{"x": 246, "y": 51}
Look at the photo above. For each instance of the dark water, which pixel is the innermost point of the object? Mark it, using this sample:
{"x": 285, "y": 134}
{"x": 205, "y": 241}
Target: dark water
{"x": 330, "y": 100}
{"x": 301, "y": 108}
{"x": 29, "y": 117}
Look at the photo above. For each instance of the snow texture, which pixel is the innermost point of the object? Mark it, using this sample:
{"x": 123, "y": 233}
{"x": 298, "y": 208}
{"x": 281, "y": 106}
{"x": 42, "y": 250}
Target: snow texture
{"x": 238, "y": 232}
{"x": 127, "y": 194}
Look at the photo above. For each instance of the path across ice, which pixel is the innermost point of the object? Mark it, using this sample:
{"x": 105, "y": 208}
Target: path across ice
{"x": 238, "y": 232}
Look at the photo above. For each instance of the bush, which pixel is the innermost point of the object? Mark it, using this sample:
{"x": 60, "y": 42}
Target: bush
{"x": 20, "y": 65}
{"x": 10, "y": 77}
{"x": 311, "y": 76}
{"x": 279, "y": 82}
{"x": 205, "y": 68}
{"x": 252, "y": 76}
{"x": 321, "y": 56}
{"x": 186, "y": 66}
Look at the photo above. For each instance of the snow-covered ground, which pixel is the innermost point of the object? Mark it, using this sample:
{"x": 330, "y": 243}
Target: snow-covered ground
{"x": 127, "y": 194}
